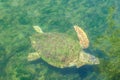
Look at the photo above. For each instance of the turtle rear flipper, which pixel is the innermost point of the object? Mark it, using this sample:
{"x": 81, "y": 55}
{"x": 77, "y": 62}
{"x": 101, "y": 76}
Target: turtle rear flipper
{"x": 33, "y": 56}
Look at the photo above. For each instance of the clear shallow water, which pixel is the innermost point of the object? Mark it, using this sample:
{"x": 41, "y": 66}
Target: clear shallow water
{"x": 99, "y": 19}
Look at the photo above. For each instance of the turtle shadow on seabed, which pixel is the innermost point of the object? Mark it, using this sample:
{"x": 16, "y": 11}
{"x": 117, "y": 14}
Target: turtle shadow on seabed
{"x": 98, "y": 53}
{"x": 88, "y": 70}
{"x": 83, "y": 71}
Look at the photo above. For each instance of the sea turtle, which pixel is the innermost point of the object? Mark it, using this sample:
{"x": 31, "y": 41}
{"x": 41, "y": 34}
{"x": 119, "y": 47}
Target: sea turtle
{"x": 61, "y": 50}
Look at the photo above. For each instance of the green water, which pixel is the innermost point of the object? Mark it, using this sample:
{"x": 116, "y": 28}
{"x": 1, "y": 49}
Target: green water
{"x": 99, "y": 19}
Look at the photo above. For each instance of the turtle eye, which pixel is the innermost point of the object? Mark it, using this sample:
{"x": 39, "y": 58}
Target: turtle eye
{"x": 92, "y": 59}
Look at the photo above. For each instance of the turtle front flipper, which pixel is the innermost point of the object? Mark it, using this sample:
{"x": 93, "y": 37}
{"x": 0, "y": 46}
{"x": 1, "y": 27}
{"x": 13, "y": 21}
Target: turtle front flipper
{"x": 33, "y": 56}
{"x": 84, "y": 42}
{"x": 38, "y": 29}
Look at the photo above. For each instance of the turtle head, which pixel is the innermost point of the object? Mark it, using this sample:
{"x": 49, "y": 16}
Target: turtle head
{"x": 33, "y": 56}
{"x": 92, "y": 60}
{"x": 38, "y": 29}
{"x": 87, "y": 59}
